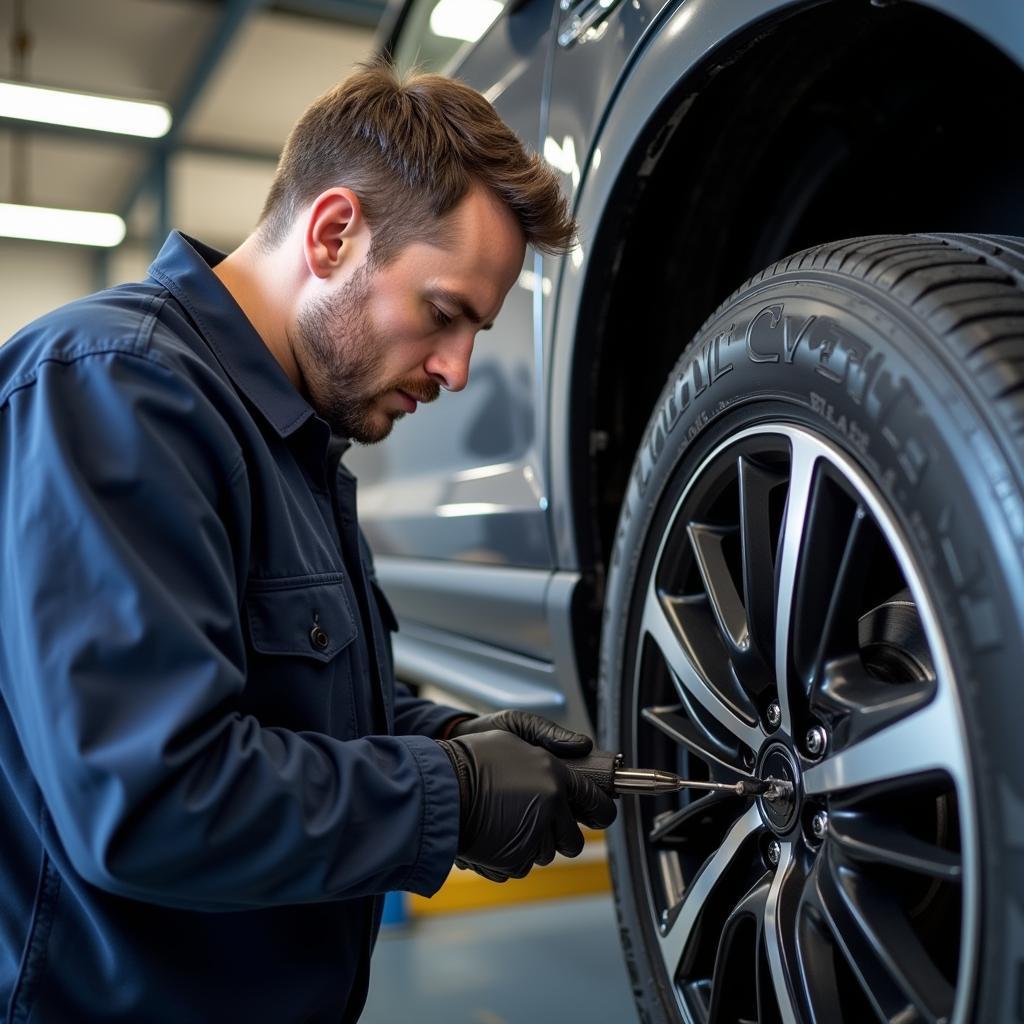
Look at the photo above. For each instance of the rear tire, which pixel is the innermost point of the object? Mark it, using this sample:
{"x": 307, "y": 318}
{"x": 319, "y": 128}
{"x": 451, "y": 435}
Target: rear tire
{"x": 888, "y": 371}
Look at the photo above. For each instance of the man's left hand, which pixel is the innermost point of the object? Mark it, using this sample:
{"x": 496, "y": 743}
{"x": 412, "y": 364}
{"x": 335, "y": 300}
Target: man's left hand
{"x": 534, "y": 729}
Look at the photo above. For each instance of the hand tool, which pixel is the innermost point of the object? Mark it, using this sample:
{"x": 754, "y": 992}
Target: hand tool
{"x": 606, "y": 771}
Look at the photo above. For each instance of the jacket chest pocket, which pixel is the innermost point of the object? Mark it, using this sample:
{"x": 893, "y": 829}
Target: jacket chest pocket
{"x": 301, "y": 631}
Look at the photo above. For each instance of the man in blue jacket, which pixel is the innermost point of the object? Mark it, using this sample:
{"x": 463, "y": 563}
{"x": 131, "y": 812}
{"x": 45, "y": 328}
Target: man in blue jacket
{"x": 209, "y": 775}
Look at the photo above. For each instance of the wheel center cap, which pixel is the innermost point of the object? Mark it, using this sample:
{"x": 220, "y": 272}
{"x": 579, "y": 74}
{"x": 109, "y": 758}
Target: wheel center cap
{"x": 778, "y": 763}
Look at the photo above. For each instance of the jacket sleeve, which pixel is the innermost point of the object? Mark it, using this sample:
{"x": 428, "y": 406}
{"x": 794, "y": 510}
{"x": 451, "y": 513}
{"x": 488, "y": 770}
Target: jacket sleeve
{"x": 415, "y": 716}
{"x": 126, "y": 508}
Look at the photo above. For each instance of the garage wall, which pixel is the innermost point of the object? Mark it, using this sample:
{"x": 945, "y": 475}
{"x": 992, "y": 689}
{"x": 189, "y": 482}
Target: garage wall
{"x": 36, "y": 277}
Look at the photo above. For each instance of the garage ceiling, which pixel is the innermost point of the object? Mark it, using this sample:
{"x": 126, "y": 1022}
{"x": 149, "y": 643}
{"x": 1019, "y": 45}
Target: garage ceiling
{"x": 236, "y": 74}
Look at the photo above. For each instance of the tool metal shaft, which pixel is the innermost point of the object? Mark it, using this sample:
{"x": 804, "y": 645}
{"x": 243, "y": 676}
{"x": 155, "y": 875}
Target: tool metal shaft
{"x": 652, "y": 780}
{"x": 605, "y": 770}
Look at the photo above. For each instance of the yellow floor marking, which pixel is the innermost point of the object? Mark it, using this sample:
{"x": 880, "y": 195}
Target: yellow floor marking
{"x": 565, "y": 876}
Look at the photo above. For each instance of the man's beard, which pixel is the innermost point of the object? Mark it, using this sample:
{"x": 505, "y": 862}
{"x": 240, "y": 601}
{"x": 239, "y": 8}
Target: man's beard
{"x": 340, "y": 355}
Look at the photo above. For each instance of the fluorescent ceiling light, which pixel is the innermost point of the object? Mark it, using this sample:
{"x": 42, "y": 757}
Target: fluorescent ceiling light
{"x": 76, "y": 227}
{"x": 464, "y": 19}
{"x": 84, "y": 110}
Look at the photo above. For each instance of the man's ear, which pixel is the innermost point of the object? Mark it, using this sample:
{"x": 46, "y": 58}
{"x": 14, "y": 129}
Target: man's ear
{"x": 334, "y": 223}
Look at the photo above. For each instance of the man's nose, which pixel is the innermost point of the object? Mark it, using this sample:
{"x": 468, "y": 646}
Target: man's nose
{"x": 449, "y": 363}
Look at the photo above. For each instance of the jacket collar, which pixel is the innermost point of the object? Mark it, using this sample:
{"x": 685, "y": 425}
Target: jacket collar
{"x": 184, "y": 266}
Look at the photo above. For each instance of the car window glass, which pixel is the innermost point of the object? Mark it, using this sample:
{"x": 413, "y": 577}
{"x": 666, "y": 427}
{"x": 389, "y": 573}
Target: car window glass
{"x": 434, "y": 31}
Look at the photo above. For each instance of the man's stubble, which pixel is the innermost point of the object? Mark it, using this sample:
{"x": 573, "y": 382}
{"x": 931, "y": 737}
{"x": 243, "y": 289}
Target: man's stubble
{"x": 341, "y": 354}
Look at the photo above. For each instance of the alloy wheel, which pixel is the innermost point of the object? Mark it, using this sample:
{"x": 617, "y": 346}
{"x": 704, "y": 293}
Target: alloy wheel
{"x": 785, "y": 630}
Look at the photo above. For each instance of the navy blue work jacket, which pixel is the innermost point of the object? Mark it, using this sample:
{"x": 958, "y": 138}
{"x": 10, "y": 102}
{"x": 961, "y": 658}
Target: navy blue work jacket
{"x": 207, "y": 772}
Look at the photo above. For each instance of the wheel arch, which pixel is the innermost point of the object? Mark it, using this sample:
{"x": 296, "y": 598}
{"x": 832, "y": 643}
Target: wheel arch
{"x": 660, "y": 139}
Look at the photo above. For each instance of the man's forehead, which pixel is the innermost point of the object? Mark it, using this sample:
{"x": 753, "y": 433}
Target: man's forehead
{"x": 470, "y": 259}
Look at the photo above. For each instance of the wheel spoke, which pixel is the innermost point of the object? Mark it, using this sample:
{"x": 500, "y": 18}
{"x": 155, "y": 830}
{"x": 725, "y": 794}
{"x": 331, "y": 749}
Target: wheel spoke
{"x": 817, "y": 960}
{"x": 686, "y": 734}
{"x": 859, "y": 838}
{"x": 758, "y": 542}
{"x": 724, "y": 989}
{"x": 822, "y": 946}
{"x": 778, "y": 912}
{"x": 794, "y": 526}
{"x": 857, "y": 704}
{"x": 689, "y": 681}
{"x": 926, "y": 740}
{"x": 835, "y": 634}
{"x": 673, "y": 821}
{"x": 684, "y": 917}
{"x": 826, "y": 579}
{"x": 728, "y": 609}
{"x": 873, "y": 933}
{"x": 720, "y": 666}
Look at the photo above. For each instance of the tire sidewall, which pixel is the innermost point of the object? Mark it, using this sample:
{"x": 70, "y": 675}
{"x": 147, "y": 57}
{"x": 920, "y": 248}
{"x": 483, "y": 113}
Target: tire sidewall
{"x": 844, "y": 359}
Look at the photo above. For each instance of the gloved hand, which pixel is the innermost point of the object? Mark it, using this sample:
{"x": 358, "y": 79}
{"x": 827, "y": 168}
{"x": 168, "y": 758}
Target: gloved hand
{"x": 535, "y": 729}
{"x": 519, "y": 804}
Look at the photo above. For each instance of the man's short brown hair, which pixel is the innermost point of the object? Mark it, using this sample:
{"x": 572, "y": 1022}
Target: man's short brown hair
{"x": 410, "y": 148}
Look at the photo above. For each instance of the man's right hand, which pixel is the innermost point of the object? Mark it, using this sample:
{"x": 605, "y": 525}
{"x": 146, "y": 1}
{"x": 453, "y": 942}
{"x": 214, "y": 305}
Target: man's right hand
{"x": 519, "y": 804}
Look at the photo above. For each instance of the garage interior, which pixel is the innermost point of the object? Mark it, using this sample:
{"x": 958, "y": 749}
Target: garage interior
{"x": 783, "y": 146}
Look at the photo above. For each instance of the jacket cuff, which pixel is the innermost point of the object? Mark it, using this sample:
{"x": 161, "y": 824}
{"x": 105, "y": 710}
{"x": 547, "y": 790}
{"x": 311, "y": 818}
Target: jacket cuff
{"x": 446, "y": 730}
{"x": 439, "y": 816}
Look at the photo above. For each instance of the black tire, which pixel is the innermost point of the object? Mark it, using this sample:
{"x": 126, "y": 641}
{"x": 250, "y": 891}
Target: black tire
{"x": 903, "y": 357}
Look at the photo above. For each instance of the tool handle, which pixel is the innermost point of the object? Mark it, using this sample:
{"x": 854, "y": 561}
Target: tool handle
{"x": 598, "y": 766}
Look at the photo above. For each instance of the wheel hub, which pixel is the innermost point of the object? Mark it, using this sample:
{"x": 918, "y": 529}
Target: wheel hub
{"x": 782, "y": 813}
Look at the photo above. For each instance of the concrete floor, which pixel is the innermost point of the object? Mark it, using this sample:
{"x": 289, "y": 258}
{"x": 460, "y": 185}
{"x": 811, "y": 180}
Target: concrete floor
{"x": 557, "y": 962}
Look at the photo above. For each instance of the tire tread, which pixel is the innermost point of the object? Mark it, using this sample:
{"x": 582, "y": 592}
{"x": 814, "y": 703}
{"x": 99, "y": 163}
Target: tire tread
{"x": 968, "y": 288}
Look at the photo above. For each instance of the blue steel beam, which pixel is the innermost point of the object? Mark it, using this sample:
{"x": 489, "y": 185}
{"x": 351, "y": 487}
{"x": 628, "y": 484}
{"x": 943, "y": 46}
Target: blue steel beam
{"x": 233, "y": 17}
{"x": 154, "y": 177}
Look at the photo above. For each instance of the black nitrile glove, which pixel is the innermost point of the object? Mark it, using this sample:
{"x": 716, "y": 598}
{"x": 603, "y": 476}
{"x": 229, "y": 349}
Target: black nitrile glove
{"x": 519, "y": 804}
{"x": 535, "y": 729}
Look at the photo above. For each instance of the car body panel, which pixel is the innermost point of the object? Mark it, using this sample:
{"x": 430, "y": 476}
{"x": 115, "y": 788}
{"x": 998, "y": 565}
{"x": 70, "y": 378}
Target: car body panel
{"x": 493, "y": 637}
{"x": 492, "y": 605}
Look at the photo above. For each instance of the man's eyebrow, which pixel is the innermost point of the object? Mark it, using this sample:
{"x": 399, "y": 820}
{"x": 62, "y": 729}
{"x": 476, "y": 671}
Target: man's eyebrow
{"x": 463, "y": 305}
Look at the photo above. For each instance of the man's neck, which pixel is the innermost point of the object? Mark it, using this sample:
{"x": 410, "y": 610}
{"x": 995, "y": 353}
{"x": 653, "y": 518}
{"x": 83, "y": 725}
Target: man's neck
{"x": 257, "y": 281}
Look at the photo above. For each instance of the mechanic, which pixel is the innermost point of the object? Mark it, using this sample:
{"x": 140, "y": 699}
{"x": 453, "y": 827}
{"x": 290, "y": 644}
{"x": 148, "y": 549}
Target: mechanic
{"x": 209, "y": 774}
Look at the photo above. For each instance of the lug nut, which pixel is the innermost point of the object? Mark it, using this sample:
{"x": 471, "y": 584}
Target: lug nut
{"x": 664, "y": 919}
{"x": 816, "y": 741}
{"x": 774, "y": 852}
{"x": 774, "y": 714}
{"x": 819, "y": 825}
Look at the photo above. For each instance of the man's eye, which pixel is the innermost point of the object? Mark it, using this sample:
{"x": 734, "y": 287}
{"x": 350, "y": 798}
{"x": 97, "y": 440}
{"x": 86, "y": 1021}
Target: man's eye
{"x": 441, "y": 317}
